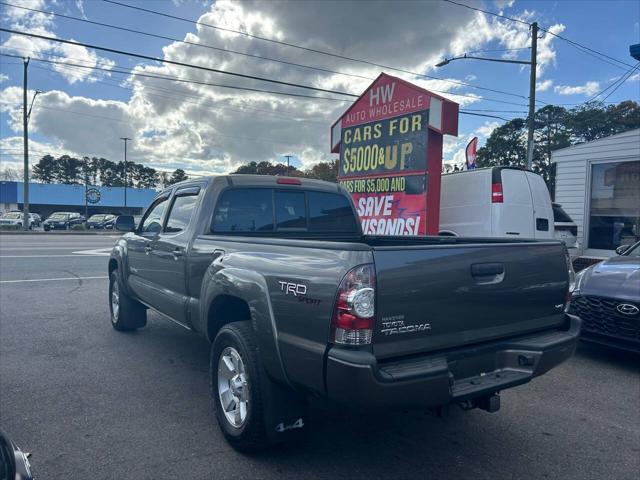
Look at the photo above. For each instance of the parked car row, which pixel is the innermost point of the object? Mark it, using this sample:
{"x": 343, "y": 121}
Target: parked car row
{"x": 59, "y": 220}
{"x": 63, "y": 221}
{"x": 15, "y": 217}
{"x": 102, "y": 221}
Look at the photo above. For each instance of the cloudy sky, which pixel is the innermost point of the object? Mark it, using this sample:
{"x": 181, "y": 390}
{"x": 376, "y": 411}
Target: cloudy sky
{"x": 204, "y": 128}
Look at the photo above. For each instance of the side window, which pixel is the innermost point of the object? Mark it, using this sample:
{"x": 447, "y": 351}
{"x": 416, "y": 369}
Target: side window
{"x": 329, "y": 212}
{"x": 290, "y": 210}
{"x": 244, "y": 210}
{"x": 152, "y": 222}
{"x": 181, "y": 212}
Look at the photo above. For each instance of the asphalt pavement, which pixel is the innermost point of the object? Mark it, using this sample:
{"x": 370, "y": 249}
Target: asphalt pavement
{"x": 90, "y": 402}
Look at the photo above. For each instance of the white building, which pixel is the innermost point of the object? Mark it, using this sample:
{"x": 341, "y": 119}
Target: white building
{"x": 598, "y": 185}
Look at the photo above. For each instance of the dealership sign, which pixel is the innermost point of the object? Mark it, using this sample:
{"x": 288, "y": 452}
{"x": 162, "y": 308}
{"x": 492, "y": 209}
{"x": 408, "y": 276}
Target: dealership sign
{"x": 390, "y": 145}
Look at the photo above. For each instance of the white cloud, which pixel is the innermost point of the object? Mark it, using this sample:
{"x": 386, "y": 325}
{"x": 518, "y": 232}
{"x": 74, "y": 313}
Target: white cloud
{"x": 589, "y": 88}
{"x": 42, "y": 24}
{"x": 207, "y": 129}
{"x": 3, "y": 77}
{"x": 454, "y": 148}
{"x": 80, "y": 7}
{"x": 544, "y": 85}
{"x": 510, "y": 35}
{"x": 487, "y": 129}
{"x": 634, "y": 78}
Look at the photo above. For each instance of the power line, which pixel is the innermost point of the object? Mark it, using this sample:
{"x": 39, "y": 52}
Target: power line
{"x": 463, "y": 112}
{"x": 183, "y": 96}
{"x": 164, "y": 37}
{"x": 313, "y": 50}
{"x": 498, "y": 50}
{"x": 178, "y": 79}
{"x": 584, "y": 47}
{"x": 579, "y": 46}
{"x": 498, "y": 111}
{"x": 197, "y": 82}
{"x": 624, "y": 79}
{"x": 484, "y": 11}
{"x": 173, "y": 62}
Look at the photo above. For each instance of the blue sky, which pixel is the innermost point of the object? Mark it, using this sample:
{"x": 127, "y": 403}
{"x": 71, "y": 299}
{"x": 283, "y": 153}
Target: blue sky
{"x": 85, "y": 113}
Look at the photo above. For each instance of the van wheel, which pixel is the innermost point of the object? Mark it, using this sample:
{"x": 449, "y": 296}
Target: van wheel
{"x": 235, "y": 387}
{"x": 126, "y": 313}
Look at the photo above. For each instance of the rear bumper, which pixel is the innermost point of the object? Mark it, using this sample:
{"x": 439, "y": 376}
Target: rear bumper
{"x": 358, "y": 379}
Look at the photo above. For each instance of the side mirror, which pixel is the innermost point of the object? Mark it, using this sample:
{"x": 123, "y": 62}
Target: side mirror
{"x": 621, "y": 249}
{"x": 125, "y": 223}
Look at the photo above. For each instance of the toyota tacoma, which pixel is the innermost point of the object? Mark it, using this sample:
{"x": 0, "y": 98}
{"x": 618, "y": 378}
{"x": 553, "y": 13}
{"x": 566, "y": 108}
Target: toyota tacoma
{"x": 297, "y": 302}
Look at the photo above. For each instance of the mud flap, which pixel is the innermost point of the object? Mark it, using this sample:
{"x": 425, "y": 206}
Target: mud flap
{"x": 285, "y": 411}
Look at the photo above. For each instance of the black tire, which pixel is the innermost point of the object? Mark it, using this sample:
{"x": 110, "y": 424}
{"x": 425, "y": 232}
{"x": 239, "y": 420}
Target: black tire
{"x": 130, "y": 314}
{"x": 251, "y": 436}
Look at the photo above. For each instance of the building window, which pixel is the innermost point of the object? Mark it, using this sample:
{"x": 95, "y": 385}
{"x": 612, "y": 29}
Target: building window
{"x": 614, "y": 215}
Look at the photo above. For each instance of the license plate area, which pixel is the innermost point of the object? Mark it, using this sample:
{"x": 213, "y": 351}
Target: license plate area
{"x": 472, "y": 366}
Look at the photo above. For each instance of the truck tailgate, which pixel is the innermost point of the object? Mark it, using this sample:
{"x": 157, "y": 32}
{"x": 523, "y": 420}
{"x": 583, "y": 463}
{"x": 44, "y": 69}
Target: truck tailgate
{"x": 436, "y": 297}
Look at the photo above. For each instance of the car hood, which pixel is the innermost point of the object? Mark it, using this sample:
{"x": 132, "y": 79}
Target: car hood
{"x": 617, "y": 277}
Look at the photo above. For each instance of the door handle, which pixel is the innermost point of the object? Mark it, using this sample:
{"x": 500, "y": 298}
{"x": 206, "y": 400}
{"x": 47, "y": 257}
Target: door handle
{"x": 486, "y": 269}
{"x": 487, "y": 273}
{"x": 147, "y": 249}
{"x": 177, "y": 252}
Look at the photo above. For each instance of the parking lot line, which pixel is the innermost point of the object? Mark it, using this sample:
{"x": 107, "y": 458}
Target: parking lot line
{"x": 53, "y": 279}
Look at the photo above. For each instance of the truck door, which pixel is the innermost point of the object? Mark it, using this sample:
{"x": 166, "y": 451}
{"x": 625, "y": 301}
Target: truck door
{"x": 142, "y": 273}
{"x": 169, "y": 255}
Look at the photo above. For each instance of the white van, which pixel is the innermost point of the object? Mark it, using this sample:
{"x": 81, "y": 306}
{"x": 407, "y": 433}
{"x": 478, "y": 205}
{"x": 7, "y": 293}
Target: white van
{"x": 495, "y": 202}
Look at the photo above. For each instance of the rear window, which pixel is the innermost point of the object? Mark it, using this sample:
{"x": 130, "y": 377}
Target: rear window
{"x": 329, "y": 212}
{"x": 559, "y": 215}
{"x": 244, "y": 210}
{"x": 265, "y": 210}
{"x": 291, "y": 210}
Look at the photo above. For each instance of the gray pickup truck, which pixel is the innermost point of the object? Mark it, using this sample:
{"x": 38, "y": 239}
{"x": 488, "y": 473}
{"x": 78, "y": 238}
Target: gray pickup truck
{"x": 296, "y": 302}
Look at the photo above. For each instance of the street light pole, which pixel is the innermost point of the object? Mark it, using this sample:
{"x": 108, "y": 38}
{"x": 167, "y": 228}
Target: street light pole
{"x": 25, "y": 139}
{"x": 126, "y": 139}
{"x": 532, "y": 84}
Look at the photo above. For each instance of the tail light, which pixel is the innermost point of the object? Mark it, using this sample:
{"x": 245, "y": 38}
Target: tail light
{"x": 354, "y": 312}
{"x": 496, "y": 193}
{"x": 572, "y": 280}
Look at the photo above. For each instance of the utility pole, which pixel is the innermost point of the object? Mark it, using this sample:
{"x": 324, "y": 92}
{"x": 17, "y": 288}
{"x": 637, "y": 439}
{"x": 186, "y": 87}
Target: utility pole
{"x": 532, "y": 83}
{"x": 288, "y": 157}
{"x": 86, "y": 189}
{"x": 126, "y": 139}
{"x": 25, "y": 138}
{"x": 532, "y": 93}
